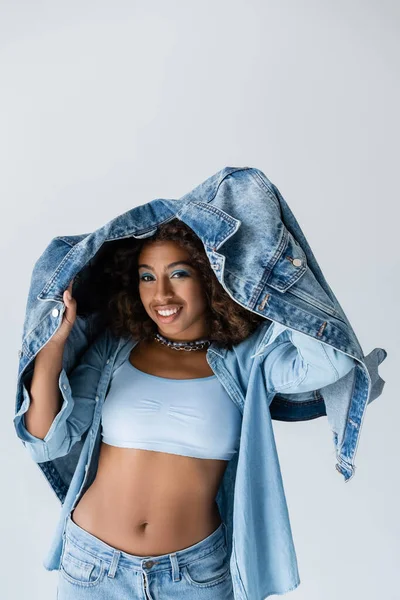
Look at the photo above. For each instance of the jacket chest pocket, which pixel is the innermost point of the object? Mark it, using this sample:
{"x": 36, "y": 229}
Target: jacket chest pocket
{"x": 290, "y": 266}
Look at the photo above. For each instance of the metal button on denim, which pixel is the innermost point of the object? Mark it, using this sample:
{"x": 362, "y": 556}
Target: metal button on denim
{"x": 297, "y": 262}
{"x": 55, "y": 312}
{"x": 149, "y": 563}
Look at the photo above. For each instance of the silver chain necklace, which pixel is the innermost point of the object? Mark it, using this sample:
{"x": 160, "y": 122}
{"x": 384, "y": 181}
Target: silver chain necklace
{"x": 189, "y": 346}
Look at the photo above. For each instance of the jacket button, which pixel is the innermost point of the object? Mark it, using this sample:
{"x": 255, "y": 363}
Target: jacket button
{"x": 297, "y": 262}
{"x": 55, "y": 312}
{"x": 97, "y": 398}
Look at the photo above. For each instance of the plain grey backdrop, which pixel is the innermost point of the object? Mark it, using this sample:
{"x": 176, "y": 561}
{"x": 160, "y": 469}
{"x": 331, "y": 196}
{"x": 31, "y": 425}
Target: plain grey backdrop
{"x": 107, "y": 105}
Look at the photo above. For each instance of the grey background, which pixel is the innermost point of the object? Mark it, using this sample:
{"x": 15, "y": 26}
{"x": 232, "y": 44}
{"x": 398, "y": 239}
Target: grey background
{"x": 106, "y": 105}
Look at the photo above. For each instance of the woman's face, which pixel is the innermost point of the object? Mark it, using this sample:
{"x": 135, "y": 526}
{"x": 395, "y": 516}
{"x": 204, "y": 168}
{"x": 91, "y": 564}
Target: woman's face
{"x": 168, "y": 281}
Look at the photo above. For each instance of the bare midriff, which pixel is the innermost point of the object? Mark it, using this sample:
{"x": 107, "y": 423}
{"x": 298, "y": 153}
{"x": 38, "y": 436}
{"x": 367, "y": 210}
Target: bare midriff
{"x": 149, "y": 503}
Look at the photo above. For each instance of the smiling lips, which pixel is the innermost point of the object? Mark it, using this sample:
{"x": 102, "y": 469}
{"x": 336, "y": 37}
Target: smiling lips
{"x": 168, "y": 315}
{"x": 168, "y": 307}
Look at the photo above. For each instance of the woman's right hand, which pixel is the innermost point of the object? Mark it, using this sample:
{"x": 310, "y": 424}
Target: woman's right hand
{"x": 61, "y": 335}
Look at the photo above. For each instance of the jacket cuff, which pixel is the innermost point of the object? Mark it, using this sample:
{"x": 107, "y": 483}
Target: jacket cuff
{"x": 40, "y": 449}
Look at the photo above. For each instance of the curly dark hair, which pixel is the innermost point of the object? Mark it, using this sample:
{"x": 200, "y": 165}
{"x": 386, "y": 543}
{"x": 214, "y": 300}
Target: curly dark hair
{"x": 112, "y": 289}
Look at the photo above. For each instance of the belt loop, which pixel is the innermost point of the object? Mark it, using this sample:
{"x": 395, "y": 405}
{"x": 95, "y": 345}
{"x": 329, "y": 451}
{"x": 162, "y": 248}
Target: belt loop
{"x": 176, "y": 576}
{"x": 114, "y": 563}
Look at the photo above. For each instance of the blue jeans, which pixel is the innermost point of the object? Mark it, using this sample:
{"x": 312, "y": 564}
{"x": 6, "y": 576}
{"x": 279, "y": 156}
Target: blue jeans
{"x": 90, "y": 568}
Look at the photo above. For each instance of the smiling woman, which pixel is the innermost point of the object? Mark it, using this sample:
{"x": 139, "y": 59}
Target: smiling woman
{"x": 154, "y": 427}
{"x": 169, "y": 427}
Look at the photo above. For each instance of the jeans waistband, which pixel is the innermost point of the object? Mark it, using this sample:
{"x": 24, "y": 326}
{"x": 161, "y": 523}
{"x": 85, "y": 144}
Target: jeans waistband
{"x": 115, "y": 557}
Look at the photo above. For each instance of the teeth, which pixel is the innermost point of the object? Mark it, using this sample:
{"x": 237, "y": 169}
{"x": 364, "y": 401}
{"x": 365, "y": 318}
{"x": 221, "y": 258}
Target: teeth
{"x": 167, "y": 313}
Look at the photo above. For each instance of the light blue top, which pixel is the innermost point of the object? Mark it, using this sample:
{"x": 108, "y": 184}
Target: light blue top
{"x": 191, "y": 417}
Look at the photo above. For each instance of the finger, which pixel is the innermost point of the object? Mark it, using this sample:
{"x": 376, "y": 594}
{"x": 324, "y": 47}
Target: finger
{"x": 67, "y": 300}
{"x": 69, "y": 289}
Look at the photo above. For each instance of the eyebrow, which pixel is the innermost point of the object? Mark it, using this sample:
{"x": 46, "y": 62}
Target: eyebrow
{"x": 173, "y": 264}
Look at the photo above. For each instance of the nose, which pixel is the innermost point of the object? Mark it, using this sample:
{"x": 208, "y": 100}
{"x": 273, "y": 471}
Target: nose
{"x": 163, "y": 289}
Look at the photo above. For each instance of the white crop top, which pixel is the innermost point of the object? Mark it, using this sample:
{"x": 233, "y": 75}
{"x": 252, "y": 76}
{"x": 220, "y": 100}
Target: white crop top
{"x": 191, "y": 417}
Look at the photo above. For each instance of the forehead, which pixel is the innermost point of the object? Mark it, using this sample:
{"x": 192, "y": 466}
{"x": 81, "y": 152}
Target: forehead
{"x": 162, "y": 251}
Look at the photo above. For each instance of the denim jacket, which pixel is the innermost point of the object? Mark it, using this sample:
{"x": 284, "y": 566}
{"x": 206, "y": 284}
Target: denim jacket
{"x": 302, "y": 363}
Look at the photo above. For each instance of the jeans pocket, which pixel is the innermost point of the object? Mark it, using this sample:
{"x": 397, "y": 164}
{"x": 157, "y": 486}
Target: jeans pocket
{"x": 209, "y": 570}
{"x": 80, "y": 567}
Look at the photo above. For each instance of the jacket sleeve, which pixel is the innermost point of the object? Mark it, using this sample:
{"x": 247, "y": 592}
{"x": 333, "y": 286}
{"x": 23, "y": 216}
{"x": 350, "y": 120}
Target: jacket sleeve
{"x": 296, "y": 363}
{"x": 78, "y": 392}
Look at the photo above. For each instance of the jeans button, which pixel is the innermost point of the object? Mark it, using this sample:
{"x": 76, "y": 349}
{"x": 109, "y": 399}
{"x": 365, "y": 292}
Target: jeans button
{"x": 149, "y": 563}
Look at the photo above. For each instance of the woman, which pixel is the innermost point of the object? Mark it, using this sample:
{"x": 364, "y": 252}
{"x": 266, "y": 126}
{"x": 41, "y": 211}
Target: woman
{"x": 169, "y": 427}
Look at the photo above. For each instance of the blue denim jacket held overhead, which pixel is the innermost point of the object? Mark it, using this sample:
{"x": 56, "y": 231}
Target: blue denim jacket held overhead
{"x": 304, "y": 362}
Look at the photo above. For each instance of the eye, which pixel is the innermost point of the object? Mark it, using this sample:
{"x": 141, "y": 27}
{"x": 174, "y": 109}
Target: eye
{"x": 151, "y": 278}
{"x": 181, "y": 273}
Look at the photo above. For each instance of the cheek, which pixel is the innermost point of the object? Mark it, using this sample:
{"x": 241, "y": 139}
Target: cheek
{"x": 197, "y": 299}
{"x": 144, "y": 294}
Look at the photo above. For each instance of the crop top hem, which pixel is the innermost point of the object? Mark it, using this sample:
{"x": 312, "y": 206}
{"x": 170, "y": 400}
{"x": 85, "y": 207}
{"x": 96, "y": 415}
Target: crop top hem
{"x": 165, "y": 447}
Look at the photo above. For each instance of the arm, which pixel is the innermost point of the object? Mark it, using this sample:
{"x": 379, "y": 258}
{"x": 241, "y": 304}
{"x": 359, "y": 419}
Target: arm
{"x": 45, "y": 398}
{"x": 76, "y": 395}
{"x": 296, "y": 362}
